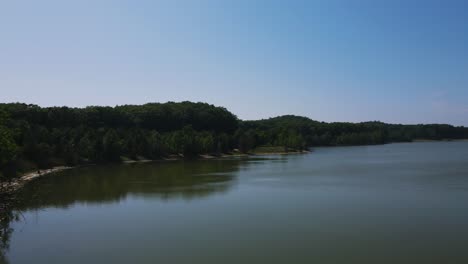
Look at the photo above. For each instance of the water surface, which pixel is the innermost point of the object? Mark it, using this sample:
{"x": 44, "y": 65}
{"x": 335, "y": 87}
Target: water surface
{"x": 396, "y": 203}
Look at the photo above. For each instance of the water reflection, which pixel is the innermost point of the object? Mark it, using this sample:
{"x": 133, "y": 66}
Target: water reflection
{"x": 112, "y": 183}
{"x": 400, "y": 203}
{"x": 7, "y": 216}
{"x": 106, "y": 184}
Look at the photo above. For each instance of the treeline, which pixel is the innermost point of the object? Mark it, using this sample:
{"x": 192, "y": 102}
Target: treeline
{"x": 32, "y": 137}
{"x": 297, "y": 132}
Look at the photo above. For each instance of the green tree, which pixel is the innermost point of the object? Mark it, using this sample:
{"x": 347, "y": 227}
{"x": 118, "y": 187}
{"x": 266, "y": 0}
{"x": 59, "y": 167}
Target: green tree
{"x": 112, "y": 146}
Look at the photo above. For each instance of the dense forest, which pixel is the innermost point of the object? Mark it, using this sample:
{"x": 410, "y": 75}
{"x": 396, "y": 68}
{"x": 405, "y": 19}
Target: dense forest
{"x": 33, "y": 137}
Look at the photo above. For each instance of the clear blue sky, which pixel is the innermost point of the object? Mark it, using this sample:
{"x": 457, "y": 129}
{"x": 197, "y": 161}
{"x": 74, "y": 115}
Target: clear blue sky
{"x": 394, "y": 61}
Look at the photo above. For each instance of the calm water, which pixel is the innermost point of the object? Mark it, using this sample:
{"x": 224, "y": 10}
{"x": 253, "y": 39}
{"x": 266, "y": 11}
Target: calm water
{"x": 397, "y": 203}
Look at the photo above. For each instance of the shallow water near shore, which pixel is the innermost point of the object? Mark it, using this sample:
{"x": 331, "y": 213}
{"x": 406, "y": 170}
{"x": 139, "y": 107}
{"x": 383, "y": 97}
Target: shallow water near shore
{"x": 396, "y": 203}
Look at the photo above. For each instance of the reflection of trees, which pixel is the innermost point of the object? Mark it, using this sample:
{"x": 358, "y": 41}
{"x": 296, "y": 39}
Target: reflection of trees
{"x": 5, "y": 232}
{"x": 166, "y": 180}
{"x": 7, "y": 216}
{"x": 105, "y": 184}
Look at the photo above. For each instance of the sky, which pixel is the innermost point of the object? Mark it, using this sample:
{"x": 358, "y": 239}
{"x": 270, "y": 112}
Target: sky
{"x": 351, "y": 60}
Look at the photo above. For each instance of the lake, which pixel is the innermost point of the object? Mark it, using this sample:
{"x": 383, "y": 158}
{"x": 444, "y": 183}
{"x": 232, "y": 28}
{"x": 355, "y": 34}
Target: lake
{"x": 395, "y": 203}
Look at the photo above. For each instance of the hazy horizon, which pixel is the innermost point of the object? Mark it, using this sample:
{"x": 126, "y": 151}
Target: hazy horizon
{"x": 333, "y": 61}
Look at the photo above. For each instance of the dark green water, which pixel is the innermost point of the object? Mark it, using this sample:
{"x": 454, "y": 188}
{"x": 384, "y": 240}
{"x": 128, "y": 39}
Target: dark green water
{"x": 397, "y": 203}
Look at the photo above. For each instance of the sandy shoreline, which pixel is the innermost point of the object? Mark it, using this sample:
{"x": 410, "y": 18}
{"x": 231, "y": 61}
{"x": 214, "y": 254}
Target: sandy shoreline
{"x": 280, "y": 153}
{"x": 27, "y": 177}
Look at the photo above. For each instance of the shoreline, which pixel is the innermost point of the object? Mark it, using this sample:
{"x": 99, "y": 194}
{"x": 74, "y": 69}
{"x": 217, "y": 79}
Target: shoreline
{"x": 16, "y": 184}
{"x": 280, "y": 153}
{"x": 438, "y": 140}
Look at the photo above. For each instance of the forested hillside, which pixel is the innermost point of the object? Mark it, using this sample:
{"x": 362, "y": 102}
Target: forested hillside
{"x": 296, "y": 131}
{"x": 32, "y": 137}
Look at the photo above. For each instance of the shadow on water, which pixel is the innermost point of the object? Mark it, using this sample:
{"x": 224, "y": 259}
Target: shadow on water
{"x": 105, "y": 184}
{"x": 113, "y": 183}
{"x": 7, "y": 216}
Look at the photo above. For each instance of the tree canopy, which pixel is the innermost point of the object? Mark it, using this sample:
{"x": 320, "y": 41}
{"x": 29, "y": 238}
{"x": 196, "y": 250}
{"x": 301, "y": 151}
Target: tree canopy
{"x": 33, "y": 137}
